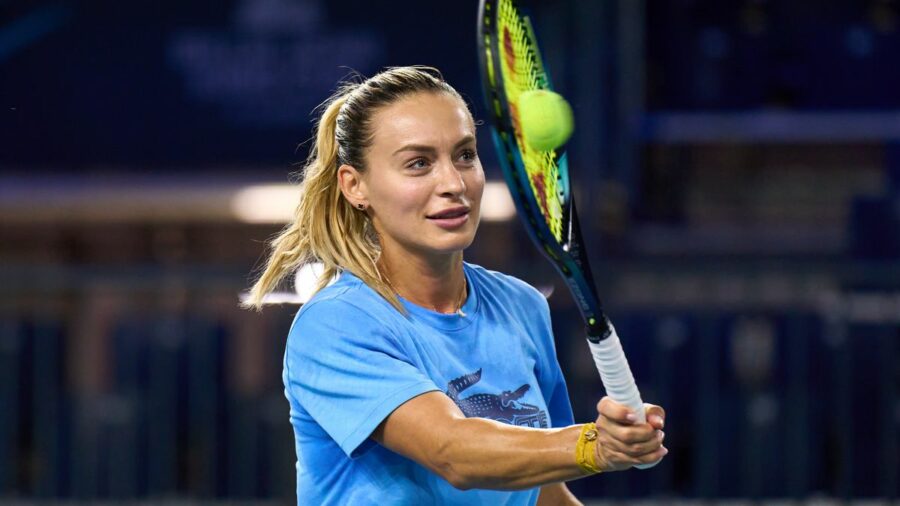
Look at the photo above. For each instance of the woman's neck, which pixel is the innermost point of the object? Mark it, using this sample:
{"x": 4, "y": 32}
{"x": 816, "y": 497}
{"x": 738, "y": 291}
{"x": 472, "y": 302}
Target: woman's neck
{"x": 437, "y": 284}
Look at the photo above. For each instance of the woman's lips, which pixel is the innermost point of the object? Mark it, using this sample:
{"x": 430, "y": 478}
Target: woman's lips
{"x": 451, "y": 222}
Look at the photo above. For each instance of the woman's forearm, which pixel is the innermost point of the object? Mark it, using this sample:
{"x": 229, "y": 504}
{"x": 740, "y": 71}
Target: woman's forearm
{"x": 482, "y": 453}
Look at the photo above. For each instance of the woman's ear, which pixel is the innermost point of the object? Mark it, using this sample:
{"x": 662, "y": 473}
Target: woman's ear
{"x": 352, "y": 186}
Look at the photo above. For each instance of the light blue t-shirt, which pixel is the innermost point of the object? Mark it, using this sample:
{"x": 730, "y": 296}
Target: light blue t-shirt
{"x": 352, "y": 359}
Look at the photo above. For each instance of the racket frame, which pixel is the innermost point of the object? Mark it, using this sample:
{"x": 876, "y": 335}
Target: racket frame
{"x": 569, "y": 257}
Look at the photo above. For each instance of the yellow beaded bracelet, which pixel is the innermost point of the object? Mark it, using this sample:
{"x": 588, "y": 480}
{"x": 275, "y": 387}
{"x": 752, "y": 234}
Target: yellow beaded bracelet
{"x": 585, "y": 449}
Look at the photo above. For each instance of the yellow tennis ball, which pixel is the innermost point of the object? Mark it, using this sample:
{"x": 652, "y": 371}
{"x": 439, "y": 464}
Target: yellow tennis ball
{"x": 545, "y": 118}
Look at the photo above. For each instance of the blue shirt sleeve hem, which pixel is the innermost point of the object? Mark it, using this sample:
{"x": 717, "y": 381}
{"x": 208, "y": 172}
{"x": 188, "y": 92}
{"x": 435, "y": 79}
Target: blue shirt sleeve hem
{"x": 370, "y": 421}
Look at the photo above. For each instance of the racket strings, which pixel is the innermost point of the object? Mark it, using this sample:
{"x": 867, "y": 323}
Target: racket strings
{"x": 522, "y": 71}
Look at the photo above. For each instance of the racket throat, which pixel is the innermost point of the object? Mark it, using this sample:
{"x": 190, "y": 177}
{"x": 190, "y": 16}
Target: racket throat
{"x": 598, "y": 328}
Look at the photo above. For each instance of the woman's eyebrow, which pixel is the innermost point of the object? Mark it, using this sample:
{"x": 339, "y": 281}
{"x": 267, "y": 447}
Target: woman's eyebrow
{"x": 430, "y": 149}
{"x": 416, "y": 147}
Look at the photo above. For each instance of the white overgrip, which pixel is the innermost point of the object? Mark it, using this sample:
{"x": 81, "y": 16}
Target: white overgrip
{"x": 617, "y": 378}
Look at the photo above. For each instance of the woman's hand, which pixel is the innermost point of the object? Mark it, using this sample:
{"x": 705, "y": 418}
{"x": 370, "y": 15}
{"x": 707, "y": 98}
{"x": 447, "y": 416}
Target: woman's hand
{"x": 622, "y": 442}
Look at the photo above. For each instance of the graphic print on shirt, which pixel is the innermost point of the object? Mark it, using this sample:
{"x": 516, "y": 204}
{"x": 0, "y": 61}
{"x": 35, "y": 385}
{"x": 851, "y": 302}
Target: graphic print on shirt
{"x": 504, "y": 407}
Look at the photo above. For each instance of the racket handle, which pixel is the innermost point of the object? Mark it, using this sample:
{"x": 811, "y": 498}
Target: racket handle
{"x": 617, "y": 379}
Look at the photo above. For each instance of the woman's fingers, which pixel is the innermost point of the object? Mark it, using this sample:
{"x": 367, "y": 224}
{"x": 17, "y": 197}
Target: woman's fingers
{"x": 626, "y": 433}
{"x": 650, "y": 458}
{"x": 656, "y": 415}
{"x": 615, "y": 411}
{"x": 633, "y": 448}
{"x": 623, "y": 442}
{"x": 615, "y": 459}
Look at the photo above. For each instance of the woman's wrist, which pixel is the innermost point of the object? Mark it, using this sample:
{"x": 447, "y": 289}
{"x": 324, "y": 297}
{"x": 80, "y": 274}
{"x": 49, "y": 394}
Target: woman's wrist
{"x": 586, "y": 450}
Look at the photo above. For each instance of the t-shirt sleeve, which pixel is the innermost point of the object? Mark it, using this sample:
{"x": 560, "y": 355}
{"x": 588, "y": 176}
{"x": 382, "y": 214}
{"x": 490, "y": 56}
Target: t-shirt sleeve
{"x": 551, "y": 379}
{"x": 348, "y": 371}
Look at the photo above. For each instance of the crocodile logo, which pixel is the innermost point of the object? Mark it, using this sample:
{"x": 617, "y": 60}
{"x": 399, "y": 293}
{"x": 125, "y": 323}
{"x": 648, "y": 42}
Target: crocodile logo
{"x": 503, "y": 408}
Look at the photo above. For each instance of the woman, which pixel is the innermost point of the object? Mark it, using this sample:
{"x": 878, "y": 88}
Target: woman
{"x": 417, "y": 378}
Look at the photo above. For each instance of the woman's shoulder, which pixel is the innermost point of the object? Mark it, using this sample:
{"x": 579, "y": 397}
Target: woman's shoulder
{"x": 497, "y": 281}
{"x": 348, "y": 301}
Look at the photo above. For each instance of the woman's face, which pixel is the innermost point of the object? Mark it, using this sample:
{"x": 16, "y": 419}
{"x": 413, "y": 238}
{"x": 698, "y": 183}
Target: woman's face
{"x": 424, "y": 179}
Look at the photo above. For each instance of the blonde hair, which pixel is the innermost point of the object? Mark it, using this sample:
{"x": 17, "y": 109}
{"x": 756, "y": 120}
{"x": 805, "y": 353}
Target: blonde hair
{"x": 326, "y": 228}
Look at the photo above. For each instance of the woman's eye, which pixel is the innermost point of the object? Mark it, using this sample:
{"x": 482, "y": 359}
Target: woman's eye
{"x": 469, "y": 155}
{"x": 419, "y": 163}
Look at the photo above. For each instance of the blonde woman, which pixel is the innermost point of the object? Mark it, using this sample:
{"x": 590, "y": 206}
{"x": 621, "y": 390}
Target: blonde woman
{"x": 418, "y": 378}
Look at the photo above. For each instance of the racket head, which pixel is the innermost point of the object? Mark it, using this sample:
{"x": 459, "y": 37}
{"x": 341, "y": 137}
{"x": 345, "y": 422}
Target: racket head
{"x": 511, "y": 63}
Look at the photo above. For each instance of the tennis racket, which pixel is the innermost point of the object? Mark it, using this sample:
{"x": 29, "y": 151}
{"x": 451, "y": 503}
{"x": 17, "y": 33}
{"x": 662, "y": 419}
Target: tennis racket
{"x": 539, "y": 181}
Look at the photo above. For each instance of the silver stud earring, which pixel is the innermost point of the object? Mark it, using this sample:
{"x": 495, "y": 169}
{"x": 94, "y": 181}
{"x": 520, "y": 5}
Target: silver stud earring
{"x": 361, "y": 206}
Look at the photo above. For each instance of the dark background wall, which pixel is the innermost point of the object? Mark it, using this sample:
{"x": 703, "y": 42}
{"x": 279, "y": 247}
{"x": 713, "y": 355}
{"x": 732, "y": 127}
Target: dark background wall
{"x": 737, "y": 168}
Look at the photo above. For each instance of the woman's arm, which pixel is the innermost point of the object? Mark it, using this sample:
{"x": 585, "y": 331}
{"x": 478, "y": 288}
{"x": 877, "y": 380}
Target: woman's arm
{"x": 480, "y": 453}
{"x": 557, "y": 494}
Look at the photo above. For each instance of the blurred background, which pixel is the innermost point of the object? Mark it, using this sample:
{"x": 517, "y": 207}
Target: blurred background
{"x": 738, "y": 176}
